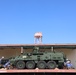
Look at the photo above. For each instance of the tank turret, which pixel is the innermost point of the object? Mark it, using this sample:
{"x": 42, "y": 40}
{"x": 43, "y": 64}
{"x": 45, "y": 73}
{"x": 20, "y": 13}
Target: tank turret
{"x": 36, "y": 49}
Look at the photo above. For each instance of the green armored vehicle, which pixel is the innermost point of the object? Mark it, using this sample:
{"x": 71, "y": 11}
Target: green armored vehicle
{"x": 38, "y": 59}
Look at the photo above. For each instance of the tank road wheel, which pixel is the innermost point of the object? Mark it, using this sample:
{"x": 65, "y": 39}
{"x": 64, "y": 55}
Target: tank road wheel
{"x": 41, "y": 64}
{"x": 51, "y": 64}
{"x": 30, "y": 64}
{"x": 20, "y": 65}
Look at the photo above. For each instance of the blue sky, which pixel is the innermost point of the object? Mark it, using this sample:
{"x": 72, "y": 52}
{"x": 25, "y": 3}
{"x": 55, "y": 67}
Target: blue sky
{"x": 20, "y": 19}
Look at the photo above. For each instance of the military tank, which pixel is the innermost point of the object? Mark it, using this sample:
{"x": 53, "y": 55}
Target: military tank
{"x": 36, "y": 59}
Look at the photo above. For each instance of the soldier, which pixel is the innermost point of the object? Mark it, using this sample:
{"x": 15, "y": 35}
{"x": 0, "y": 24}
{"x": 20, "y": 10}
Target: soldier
{"x": 1, "y": 61}
{"x": 69, "y": 65}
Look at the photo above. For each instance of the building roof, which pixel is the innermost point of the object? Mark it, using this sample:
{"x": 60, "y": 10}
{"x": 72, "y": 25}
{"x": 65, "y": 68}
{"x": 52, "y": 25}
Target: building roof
{"x": 73, "y": 46}
{"x": 38, "y": 44}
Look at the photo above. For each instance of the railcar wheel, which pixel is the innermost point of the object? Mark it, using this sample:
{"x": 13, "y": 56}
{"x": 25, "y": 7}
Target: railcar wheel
{"x": 20, "y": 64}
{"x": 30, "y": 64}
{"x": 41, "y": 64}
{"x": 51, "y": 64}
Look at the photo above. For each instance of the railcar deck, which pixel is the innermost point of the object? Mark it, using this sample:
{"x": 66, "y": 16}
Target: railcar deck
{"x": 38, "y": 71}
